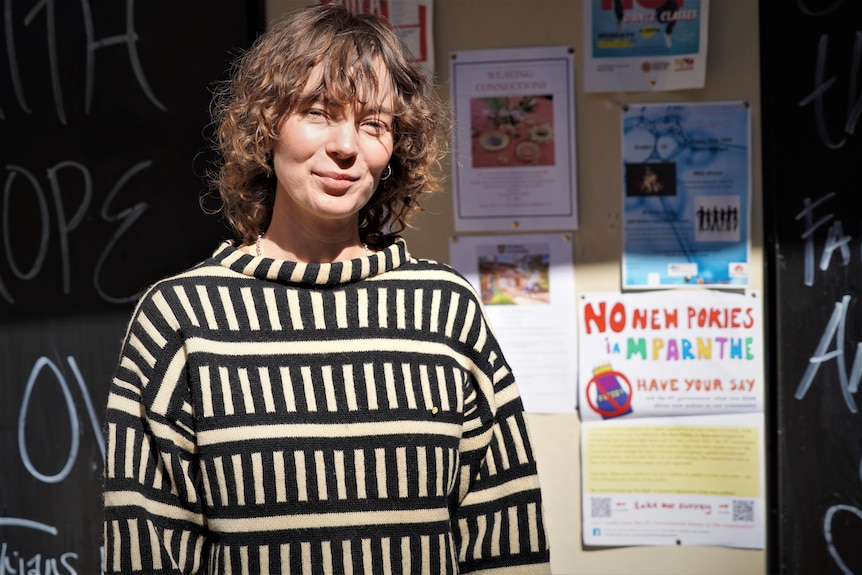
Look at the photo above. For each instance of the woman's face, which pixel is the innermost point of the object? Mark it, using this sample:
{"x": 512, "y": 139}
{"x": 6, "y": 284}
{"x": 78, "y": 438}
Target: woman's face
{"x": 328, "y": 158}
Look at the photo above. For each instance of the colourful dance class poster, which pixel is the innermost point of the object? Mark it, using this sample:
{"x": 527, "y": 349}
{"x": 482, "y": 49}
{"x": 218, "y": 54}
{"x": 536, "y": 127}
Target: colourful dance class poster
{"x": 645, "y": 45}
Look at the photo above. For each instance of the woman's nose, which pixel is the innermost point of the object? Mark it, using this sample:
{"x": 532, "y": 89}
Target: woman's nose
{"x": 343, "y": 139}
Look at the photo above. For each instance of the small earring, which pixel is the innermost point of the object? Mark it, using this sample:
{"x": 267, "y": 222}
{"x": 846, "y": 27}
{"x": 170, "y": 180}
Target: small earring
{"x": 387, "y": 173}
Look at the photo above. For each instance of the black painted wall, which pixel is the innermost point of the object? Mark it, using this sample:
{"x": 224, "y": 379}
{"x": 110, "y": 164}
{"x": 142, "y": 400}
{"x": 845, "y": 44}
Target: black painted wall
{"x": 811, "y": 64}
{"x": 103, "y": 147}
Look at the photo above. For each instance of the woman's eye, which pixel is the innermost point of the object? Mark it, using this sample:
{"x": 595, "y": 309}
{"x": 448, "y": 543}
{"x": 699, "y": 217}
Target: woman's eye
{"x": 315, "y": 114}
{"x": 375, "y": 127}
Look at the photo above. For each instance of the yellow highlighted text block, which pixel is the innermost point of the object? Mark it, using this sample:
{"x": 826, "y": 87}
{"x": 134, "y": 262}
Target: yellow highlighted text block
{"x": 684, "y": 459}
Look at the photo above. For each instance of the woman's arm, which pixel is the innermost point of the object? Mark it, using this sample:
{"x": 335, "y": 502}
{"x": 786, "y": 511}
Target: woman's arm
{"x": 154, "y": 522}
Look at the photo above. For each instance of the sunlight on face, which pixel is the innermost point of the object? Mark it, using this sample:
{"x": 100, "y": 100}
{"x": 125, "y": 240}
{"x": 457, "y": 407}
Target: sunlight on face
{"x": 329, "y": 156}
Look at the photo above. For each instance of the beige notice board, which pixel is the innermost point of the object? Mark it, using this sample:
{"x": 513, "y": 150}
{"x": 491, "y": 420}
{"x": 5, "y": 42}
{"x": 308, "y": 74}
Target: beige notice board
{"x": 732, "y": 74}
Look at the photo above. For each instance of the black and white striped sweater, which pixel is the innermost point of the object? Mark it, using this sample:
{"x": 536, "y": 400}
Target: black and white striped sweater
{"x": 273, "y": 417}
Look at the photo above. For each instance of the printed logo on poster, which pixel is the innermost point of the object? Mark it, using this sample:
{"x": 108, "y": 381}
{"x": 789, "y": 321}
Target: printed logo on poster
{"x": 609, "y": 392}
{"x": 683, "y": 64}
{"x": 737, "y": 269}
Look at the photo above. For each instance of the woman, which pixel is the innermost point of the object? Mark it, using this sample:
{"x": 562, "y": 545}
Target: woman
{"x": 312, "y": 399}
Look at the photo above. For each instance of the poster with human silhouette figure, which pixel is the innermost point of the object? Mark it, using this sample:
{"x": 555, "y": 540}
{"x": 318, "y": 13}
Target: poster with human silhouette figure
{"x": 686, "y": 181}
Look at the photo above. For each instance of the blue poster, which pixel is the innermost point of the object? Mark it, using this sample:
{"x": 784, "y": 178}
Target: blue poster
{"x": 686, "y": 179}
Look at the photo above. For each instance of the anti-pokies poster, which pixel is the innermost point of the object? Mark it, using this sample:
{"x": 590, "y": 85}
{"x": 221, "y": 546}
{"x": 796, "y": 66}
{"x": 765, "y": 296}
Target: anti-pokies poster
{"x": 671, "y": 401}
{"x": 669, "y": 353}
{"x": 686, "y": 186}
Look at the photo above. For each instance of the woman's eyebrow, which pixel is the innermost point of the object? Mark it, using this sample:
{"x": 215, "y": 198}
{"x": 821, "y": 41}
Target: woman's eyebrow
{"x": 379, "y": 110}
{"x": 362, "y": 108}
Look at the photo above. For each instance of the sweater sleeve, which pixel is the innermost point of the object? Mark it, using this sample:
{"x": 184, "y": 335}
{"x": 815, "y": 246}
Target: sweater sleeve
{"x": 153, "y": 522}
{"x": 499, "y": 524}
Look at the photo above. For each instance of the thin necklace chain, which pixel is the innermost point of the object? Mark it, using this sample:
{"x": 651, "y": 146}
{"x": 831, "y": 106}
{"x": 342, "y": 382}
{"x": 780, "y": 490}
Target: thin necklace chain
{"x": 260, "y": 251}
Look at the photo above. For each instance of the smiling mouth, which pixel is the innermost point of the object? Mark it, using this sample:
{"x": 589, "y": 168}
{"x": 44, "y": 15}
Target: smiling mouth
{"x": 335, "y": 181}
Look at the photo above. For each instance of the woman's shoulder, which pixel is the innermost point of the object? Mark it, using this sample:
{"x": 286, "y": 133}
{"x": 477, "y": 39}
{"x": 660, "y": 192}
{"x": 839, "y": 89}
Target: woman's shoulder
{"x": 434, "y": 271}
{"x": 188, "y": 283}
{"x": 430, "y": 266}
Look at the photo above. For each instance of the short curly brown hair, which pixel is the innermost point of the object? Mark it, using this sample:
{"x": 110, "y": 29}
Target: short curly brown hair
{"x": 268, "y": 82}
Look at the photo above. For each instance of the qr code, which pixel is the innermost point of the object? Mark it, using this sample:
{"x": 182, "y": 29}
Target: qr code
{"x": 600, "y": 506}
{"x": 743, "y": 510}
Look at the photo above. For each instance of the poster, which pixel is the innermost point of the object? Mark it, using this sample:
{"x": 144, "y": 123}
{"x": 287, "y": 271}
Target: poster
{"x": 645, "y": 45}
{"x": 686, "y": 182}
{"x": 671, "y": 402}
{"x": 514, "y": 139}
{"x": 412, "y": 20}
{"x": 526, "y": 283}
{"x": 674, "y": 481}
{"x": 670, "y": 353}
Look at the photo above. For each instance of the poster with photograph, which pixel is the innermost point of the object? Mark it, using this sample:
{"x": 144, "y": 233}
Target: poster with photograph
{"x": 670, "y": 353}
{"x": 686, "y": 183}
{"x": 526, "y": 284}
{"x": 514, "y": 139}
{"x": 645, "y": 45}
{"x": 674, "y": 481}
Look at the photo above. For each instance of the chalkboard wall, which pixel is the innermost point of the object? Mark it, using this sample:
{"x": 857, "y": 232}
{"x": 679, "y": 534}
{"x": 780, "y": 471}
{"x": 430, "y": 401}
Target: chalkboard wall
{"x": 811, "y": 68}
{"x": 103, "y": 145}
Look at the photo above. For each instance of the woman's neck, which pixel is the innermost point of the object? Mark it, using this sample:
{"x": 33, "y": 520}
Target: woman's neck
{"x": 311, "y": 242}
{"x": 269, "y": 245}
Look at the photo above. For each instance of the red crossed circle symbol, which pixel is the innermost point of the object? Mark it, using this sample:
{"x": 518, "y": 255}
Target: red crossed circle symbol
{"x": 619, "y": 408}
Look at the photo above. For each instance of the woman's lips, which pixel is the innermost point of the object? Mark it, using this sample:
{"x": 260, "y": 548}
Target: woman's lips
{"x": 336, "y": 181}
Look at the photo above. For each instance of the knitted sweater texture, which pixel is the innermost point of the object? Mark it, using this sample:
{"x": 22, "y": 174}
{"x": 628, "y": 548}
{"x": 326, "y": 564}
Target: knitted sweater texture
{"x": 270, "y": 417}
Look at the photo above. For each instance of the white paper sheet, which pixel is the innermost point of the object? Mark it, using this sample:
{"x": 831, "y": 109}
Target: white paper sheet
{"x": 527, "y": 286}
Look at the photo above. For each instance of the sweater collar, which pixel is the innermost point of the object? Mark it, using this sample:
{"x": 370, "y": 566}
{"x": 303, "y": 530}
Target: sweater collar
{"x": 320, "y": 274}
